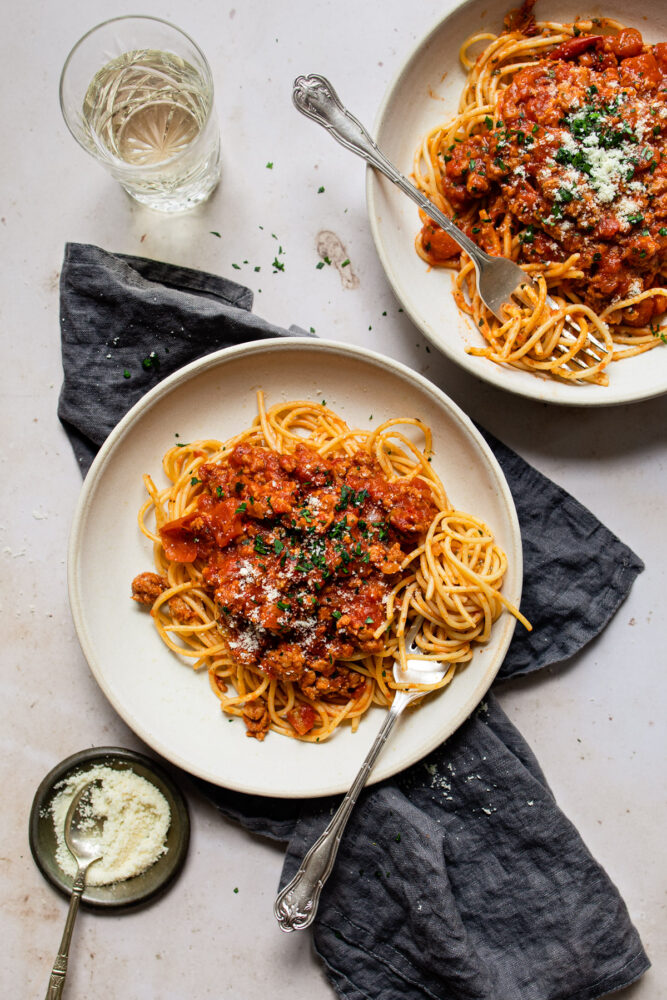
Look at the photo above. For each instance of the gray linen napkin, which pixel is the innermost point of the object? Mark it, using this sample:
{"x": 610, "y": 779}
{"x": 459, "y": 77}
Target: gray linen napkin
{"x": 460, "y": 878}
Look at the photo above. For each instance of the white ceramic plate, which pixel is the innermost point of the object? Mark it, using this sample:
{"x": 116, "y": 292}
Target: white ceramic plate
{"x": 173, "y": 709}
{"x": 424, "y": 93}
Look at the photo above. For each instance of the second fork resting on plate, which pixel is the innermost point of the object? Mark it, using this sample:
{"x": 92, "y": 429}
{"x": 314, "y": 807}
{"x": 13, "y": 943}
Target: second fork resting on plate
{"x": 296, "y": 905}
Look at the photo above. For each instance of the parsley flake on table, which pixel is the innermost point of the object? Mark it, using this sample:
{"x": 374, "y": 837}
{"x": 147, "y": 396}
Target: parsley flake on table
{"x": 269, "y": 165}
{"x": 320, "y": 190}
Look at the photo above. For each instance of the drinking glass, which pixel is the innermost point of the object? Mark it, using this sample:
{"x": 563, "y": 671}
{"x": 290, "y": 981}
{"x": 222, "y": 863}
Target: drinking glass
{"x": 137, "y": 94}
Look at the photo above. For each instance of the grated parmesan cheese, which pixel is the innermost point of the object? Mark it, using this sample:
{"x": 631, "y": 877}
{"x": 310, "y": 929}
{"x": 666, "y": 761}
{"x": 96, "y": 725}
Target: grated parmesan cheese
{"x": 627, "y": 206}
{"x": 607, "y": 167}
{"x": 136, "y": 822}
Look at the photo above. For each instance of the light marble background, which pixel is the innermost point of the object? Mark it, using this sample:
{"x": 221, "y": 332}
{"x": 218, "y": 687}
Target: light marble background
{"x": 595, "y": 725}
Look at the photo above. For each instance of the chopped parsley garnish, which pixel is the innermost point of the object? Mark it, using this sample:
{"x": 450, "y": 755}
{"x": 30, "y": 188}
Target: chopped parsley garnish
{"x": 576, "y": 159}
{"x": 151, "y": 361}
{"x": 350, "y": 496}
{"x": 564, "y": 194}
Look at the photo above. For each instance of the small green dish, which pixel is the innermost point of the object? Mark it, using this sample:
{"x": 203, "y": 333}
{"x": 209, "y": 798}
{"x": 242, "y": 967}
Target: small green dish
{"x": 132, "y": 892}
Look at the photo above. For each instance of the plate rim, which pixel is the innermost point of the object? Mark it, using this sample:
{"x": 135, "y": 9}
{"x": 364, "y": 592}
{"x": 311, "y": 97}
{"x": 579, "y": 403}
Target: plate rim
{"x": 182, "y": 376}
{"x": 488, "y": 372}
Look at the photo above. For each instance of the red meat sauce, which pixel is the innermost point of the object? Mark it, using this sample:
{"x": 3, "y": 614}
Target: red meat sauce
{"x": 578, "y": 157}
{"x": 300, "y": 553}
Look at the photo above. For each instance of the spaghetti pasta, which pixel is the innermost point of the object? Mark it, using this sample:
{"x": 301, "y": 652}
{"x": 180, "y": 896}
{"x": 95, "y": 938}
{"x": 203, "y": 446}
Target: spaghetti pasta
{"x": 292, "y": 560}
{"x": 556, "y": 159}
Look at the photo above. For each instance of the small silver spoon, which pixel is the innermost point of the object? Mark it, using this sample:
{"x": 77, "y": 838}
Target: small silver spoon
{"x": 82, "y": 836}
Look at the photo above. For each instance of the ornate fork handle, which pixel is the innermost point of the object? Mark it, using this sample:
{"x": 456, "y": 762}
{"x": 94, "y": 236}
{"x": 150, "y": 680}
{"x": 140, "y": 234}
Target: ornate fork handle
{"x": 296, "y": 905}
{"x": 316, "y": 98}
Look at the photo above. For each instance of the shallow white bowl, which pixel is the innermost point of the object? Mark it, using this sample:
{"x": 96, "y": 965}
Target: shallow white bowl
{"x": 424, "y": 93}
{"x": 160, "y": 698}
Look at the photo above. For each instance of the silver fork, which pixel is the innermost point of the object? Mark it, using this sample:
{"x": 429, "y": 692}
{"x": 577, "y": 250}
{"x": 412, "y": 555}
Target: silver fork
{"x": 498, "y": 279}
{"x": 296, "y": 905}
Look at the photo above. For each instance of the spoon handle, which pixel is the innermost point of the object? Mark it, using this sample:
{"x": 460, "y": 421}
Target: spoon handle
{"x": 296, "y": 905}
{"x": 59, "y": 971}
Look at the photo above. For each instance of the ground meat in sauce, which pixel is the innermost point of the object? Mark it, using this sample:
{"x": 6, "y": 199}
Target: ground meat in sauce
{"x": 147, "y": 587}
{"x": 300, "y": 553}
{"x": 579, "y": 158}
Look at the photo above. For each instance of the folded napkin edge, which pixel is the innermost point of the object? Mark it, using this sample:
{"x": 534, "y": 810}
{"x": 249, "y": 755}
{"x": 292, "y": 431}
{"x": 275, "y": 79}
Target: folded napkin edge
{"x": 629, "y": 972}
